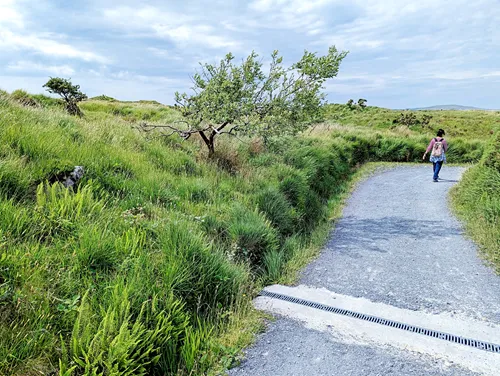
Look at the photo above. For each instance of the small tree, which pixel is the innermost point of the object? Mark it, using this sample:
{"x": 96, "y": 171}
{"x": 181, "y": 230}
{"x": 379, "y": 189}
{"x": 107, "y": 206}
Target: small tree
{"x": 409, "y": 119}
{"x": 362, "y": 103}
{"x": 241, "y": 99}
{"x": 350, "y": 104}
{"x": 426, "y": 119}
{"x": 69, "y": 92}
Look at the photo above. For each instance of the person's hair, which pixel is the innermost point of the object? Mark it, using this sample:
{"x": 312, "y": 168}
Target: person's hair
{"x": 441, "y": 133}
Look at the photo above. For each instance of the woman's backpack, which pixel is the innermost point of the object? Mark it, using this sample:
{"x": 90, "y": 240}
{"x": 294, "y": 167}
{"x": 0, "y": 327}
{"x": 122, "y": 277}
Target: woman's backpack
{"x": 438, "y": 148}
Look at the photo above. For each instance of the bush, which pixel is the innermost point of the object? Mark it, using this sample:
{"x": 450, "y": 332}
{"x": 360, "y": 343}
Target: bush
{"x": 24, "y": 98}
{"x": 103, "y": 98}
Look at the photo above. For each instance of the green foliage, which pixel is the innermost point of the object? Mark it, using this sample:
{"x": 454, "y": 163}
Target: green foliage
{"x": 69, "y": 92}
{"x": 274, "y": 262}
{"x": 477, "y": 201}
{"x": 278, "y": 210}
{"x": 117, "y": 343}
{"x": 103, "y": 98}
{"x": 409, "y": 119}
{"x": 251, "y": 235}
{"x": 148, "y": 262}
{"x": 243, "y": 100}
{"x": 464, "y": 124}
{"x": 131, "y": 111}
{"x": 24, "y": 98}
{"x": 360, "y": 105}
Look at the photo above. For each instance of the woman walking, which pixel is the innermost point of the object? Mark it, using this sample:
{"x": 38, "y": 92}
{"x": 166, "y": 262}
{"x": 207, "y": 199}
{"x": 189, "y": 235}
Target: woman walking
{"x": 437, "y": 147}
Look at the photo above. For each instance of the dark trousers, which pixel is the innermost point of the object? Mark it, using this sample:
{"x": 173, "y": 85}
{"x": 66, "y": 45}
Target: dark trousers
{"x": 436, "y": 167}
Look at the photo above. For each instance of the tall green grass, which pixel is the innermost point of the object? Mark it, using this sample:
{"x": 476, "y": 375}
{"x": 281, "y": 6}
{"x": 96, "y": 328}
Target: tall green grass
{"x": 477, "y": 201}
{"x": 144, "y": 266}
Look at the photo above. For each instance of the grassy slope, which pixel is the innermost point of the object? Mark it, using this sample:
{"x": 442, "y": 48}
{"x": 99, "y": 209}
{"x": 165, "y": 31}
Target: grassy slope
{"x": 467, "y": 124}
{"x": 151, "y": 263}
{"x": 477, "y": 201}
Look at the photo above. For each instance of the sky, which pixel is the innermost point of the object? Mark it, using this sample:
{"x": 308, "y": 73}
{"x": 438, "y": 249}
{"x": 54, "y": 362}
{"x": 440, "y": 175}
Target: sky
{"x": 402, "y": 54}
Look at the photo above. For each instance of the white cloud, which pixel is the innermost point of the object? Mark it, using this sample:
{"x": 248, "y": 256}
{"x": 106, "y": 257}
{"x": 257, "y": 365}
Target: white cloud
{"x": 295, "y": 6}
{"x": 9, "y": 15}
{"x": 15, "y": 35}
{"x": 400, "y": 50}
{"x": 180, "y": 29}
{"x": 302, "y": 16}
{"x": 46, "y": 46}
{"x": 29, "y": 66}
{"x": 166, "y": 54}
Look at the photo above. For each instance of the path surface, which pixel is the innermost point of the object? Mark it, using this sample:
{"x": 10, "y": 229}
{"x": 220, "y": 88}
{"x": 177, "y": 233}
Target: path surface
{"x": 401, "y": 252}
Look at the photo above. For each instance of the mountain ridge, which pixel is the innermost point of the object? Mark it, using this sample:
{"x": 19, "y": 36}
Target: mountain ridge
{"x": 449, "y": 107}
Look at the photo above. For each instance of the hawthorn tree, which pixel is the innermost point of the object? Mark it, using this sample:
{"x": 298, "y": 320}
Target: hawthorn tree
{"x": 69, "y": 92}
{"x": 242, "y": 99}
{"x": 362, "y": 103}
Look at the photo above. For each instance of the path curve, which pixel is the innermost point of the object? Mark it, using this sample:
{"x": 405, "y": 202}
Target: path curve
{"x": 397, "y": 244}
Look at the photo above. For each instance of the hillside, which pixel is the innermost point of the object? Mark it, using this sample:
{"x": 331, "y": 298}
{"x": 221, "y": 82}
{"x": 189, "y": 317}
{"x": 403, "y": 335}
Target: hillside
{"x": 448, "y": 107}
{"x": 150, "y": 263}
{"x": 470, "y": 124}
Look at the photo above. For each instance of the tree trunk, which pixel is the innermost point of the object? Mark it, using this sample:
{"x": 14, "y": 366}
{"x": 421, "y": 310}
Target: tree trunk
{"x": 209, "y": 142}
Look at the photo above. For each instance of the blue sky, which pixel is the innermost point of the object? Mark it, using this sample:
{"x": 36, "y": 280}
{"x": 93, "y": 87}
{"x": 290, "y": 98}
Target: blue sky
{"x": 402, "y": 53}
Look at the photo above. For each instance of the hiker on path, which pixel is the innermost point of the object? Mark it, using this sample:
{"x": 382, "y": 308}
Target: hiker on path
{"x": 437, "y": 147}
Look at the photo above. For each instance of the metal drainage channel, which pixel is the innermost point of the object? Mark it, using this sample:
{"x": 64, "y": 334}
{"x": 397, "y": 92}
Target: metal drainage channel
{"x": 393, "y": 324}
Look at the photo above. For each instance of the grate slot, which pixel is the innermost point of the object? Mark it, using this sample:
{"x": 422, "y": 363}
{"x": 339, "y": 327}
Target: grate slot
{"x": 486, "y": 346}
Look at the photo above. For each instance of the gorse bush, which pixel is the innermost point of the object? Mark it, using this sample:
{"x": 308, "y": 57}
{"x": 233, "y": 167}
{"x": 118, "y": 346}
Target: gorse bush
{"x": 141, "y": 267}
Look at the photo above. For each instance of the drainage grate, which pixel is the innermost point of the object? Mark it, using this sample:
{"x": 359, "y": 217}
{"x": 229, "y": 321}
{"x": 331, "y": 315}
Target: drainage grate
{"x": 393, "y": 324}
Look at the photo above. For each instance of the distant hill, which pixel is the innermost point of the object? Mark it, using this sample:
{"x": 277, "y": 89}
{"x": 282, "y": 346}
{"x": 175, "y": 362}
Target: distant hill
{"x": 447, "y": 107}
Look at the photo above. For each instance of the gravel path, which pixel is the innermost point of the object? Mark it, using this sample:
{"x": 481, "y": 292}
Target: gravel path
{"x": 397, "y": 244}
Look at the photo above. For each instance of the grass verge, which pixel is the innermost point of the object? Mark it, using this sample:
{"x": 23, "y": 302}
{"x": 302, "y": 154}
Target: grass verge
{"x": 476, "y": 200}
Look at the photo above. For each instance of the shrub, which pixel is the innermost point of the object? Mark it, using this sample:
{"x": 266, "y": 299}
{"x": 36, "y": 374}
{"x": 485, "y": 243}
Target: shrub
{"x": 491, "y": 157}
{"x": 24, "y": 98}
{"x": 103, "y": 98}
{"x": 314, "y": 211}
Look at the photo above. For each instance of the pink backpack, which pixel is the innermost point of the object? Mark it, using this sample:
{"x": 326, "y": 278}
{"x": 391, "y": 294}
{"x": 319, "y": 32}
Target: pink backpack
{"x": 438, "y": 148}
